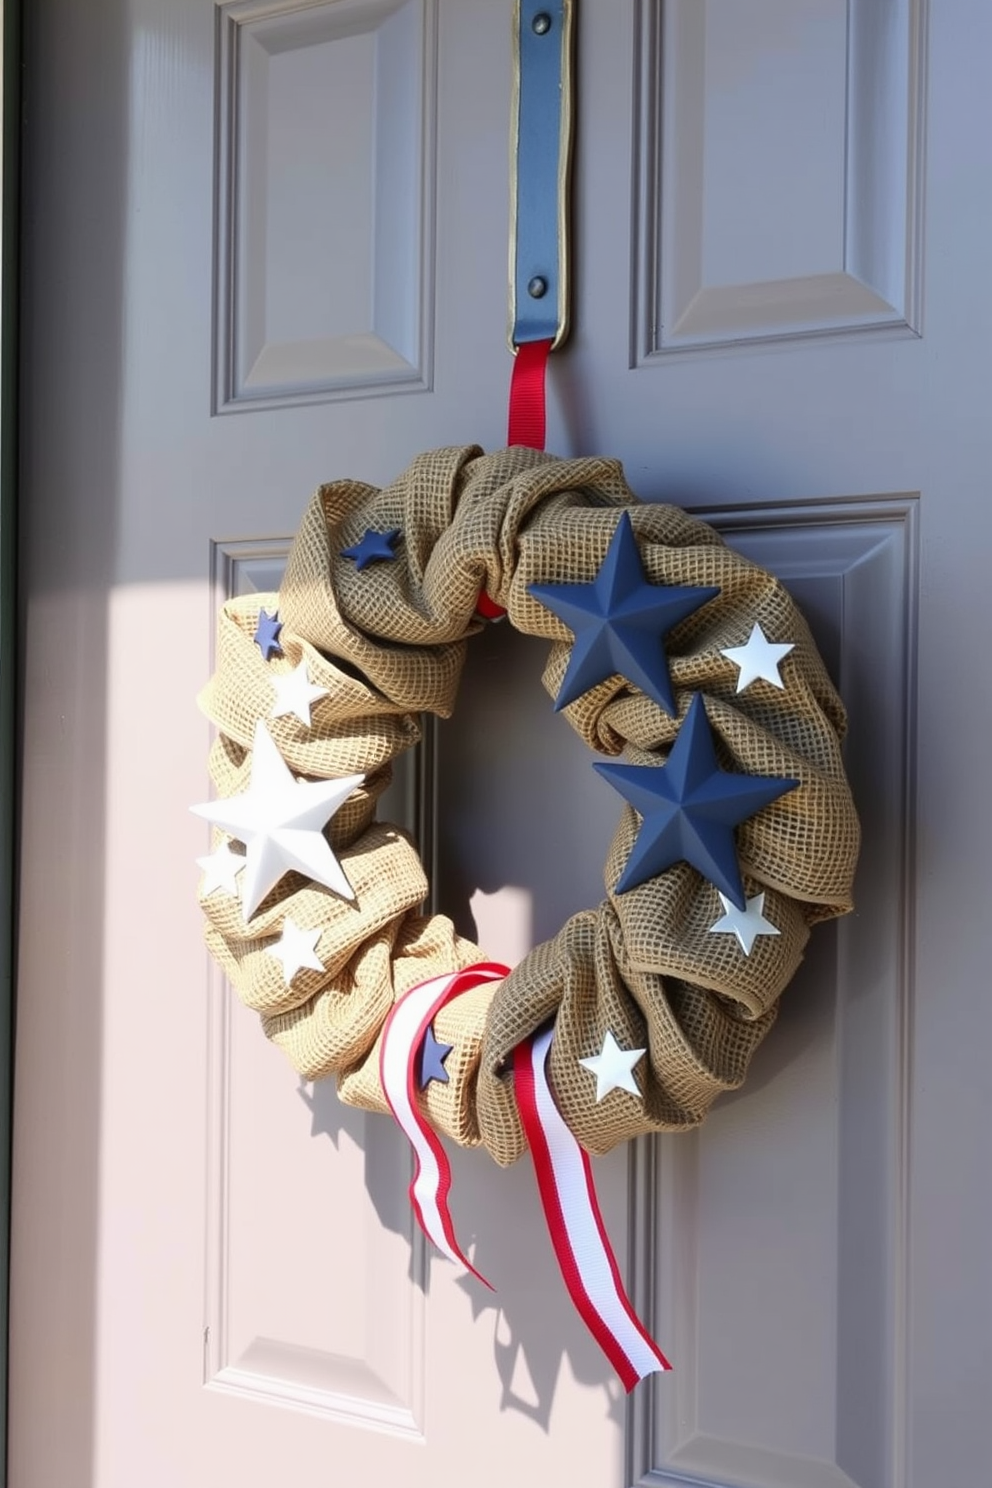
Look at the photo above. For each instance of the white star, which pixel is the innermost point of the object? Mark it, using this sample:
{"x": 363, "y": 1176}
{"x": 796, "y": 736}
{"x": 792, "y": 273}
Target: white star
{"x": 221, "y": 870}
{"x": 759, "y": 658}
{"x": 746, "y": 924}
{"x": 294, "y": 694}
{"x": 280, "y": 822}
{"x": 613, "y": 1068}
{"x": 297, "y": 948}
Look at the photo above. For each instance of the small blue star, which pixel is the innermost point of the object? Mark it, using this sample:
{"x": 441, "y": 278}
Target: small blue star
{"x": 690, "y": 808}
{"x": 375, "y": 547}
{"x": 266, "y": 635}
{"x": 432, "y": 1057}
{"x": 618, "y": 621}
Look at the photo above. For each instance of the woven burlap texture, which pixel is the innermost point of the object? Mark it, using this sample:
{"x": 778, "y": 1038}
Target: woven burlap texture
{"x": 388, "y": 643}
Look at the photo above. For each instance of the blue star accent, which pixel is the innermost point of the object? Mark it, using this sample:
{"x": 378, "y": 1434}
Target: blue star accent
{"x": 690, "y": 808}
{"x": 375, "y": 547}
{"x": 266, "y": 635}
{"x": 432, "y": 1057}
{"x": 618, "y": 621}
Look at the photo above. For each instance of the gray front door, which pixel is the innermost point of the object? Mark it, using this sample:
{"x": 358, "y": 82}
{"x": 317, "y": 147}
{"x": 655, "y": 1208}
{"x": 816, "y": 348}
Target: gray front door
{"x": 265, "y": 245}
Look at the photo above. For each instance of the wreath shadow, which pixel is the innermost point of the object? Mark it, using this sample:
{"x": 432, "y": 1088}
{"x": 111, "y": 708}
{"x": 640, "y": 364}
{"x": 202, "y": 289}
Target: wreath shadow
{"x": 496, "y": 1212}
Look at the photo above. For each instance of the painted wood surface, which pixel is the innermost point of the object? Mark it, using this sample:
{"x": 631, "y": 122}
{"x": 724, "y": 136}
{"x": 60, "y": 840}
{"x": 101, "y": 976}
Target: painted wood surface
{"x": 265, "y": 246}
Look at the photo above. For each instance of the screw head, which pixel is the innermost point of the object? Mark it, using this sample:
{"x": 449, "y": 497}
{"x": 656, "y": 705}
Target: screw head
{"x": 541, "y": 24}
{"x": 538, "y": 287}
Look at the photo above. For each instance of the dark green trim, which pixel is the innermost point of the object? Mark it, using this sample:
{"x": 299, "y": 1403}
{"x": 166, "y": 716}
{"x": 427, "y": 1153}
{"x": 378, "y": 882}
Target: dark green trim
{"x": 9, "y": 357}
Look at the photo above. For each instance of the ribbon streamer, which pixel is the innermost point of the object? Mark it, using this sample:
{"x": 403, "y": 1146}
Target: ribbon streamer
{"x": 564, "y": 1174}
{"x": 402, "y": 1037}
{"x": 571, "y": 1208}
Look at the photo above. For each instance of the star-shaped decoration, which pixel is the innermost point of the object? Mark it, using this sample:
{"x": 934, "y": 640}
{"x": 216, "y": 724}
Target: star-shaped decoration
{"x": 294, "y": 694}
{"x": 375, "y": 547}
{"x": 220, "y": 870}
{"x": 432, "y": 1057}
{"x": 759, "y": 659}
{"x": 296, "y": 949}
{"x": 747, "y": 924}
{"x": 690, "y": 808}
{"x": 618, "y": 621}
{"x": 266, "y": 635}
{"x": 613, "y": 1068}
{"x": 281, "y": 823}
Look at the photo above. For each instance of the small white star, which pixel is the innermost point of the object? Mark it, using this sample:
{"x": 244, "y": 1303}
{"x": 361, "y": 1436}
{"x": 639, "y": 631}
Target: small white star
{"x": 221, "y": 869}
{"x": 297, "y": 948}
{"x": 294, "y": 694}
{"x": 281, "y": 823}
{"x": 747, "y": 924}
{"x": 760, "y": 658}
{"x": 613, "y": 1068}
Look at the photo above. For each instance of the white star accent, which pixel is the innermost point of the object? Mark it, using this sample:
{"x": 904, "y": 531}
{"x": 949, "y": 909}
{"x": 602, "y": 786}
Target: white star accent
{"x": 221, "y": 870}
{"x": 759, "y": 658}
{"x": 297, "y": 948}
{"x": 294, "y": 694}
{"x": 747, "y": 924}
{"x": 613, "y": 1068}
{"x": 281, "y": 824}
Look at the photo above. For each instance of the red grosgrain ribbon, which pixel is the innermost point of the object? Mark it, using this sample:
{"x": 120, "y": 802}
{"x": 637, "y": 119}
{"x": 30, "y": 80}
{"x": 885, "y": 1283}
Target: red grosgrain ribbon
{"x": 527, "y": 417}
{"x": 402, "y": 1038}
{"x": 488, "y": 608}
{"x": 568, "y": 1194}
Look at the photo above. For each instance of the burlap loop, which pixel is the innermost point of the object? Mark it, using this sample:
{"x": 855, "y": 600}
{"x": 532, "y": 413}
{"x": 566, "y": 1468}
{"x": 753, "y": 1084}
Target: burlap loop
{"x": 388, "y": 642}
{"x": 352, "y": 729}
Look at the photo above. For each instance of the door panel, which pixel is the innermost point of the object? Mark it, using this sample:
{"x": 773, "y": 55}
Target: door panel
{"x": 770, "y": 1246}
{"x": 297, "y": 214}
{"x": 781, "y": 193}
{"x": 327, "y": 117}
{"x": 786, "y": 1227}
{"x": 351, "y": 1353}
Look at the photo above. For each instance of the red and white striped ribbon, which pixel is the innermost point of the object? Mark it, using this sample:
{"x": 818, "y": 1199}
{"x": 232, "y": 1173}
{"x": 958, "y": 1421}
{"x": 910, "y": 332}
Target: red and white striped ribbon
{"x": 571, "y": 1208}
{"x": 402, "y": 1037}
{"x": 564, "y": 1174}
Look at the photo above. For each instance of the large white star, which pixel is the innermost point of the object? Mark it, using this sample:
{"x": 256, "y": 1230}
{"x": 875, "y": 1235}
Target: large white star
{"x": 613, "y": 1068}
{"x": 280, "y": 822}
{"x": 746, "y": 924}
{"x": 294, "y": 694}
{"x": 295, "y": 949}
{"x": 220, "y": 870}
{"x": 760, "y": 658}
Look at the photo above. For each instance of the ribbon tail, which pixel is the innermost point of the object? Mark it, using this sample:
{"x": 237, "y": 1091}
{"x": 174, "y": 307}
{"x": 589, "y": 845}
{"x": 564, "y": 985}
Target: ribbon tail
{"x": 402, "y": 1036}
{"x": 575, "y": 1223}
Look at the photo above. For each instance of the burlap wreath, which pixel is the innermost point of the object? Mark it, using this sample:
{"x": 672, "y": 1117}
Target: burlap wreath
{"x": 388, "y": 643}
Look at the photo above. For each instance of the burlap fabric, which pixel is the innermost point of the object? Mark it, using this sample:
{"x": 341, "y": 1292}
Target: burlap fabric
{"x": 388, "y": 643}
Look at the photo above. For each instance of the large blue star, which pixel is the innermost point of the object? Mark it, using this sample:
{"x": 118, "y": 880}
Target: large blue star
{"x": 266, "y": 635}
{"x": 432, "y": 1057}
{"x": 618, "y": 621}
{"x": 375, "y": 547}
{"x": 690, "y": 809}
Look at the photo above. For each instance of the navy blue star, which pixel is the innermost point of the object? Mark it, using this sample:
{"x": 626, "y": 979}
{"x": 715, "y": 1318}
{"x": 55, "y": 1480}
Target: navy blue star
{"x": 266, "y": 635}
{"x": 618, "y": 621}
{"x": 375, "y": 547}
{"x": 690, "y": 808}
{"x": 432, "y": 1057}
